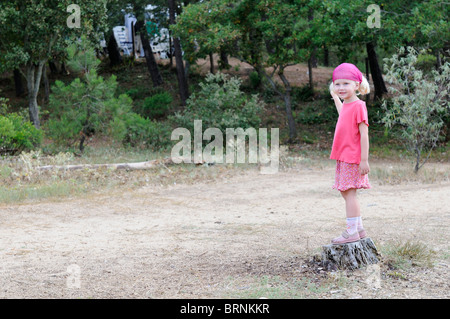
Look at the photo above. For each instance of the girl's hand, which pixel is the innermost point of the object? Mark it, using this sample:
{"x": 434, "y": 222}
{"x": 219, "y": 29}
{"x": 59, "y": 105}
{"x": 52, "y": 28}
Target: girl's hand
{"x": 333, "y": 94}
{"x": 337, "y": 100}
{"x": 364, "y": 167}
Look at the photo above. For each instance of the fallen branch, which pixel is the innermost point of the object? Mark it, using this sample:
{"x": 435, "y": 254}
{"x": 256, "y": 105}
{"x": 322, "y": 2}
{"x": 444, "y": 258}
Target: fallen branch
{"x": 126, "y": 166}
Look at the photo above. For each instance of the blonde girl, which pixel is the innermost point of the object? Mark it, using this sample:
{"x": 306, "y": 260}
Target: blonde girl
{"x": 350, "y": 145}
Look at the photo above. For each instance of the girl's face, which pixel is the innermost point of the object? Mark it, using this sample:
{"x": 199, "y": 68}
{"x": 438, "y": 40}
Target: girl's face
{"x": 346, "y": 89}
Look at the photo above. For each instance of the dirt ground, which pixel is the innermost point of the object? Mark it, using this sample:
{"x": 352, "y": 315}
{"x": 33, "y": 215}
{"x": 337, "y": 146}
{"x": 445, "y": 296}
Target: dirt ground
{"x": 217, "y": 240}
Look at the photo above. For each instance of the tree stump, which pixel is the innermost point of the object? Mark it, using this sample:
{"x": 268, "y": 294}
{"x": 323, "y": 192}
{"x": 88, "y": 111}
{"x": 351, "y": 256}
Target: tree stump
{"x": 350, "y": 256}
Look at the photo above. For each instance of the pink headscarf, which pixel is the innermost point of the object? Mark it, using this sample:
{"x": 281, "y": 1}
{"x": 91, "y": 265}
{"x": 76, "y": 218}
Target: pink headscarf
{"x": 347, "y": 71}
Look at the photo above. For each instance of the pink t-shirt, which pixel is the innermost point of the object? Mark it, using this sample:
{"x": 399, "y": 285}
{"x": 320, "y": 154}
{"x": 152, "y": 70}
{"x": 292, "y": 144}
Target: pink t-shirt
{"x": 347, "y": 139}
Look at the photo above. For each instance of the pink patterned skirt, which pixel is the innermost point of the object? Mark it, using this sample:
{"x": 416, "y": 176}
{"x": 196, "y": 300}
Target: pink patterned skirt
{"x": 348, "y": 176}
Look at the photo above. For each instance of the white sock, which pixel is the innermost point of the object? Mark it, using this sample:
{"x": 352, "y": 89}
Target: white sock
{"x": 359, "y": 224}
{"x": 352, "y": 225}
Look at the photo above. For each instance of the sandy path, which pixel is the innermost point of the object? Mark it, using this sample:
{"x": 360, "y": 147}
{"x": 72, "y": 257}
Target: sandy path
{"x": 200, "y": 240}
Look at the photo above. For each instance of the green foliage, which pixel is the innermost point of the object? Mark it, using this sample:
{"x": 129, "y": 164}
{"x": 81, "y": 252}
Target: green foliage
{"x": 317, "y": 112}
{"x": 82, "y": 108}
{"x": 3, "y": 105}
{"x": 157, "y": 105}
{"x": 137, "y": 131}
{"x": 255, "y": 79}
{"x": 303, "y": 93}
{"x": 419, "y": 104}
{"x": 205, "y": 27}
{"x": 81, "y": 56}
{"x": 426, "y": 62}
{"x": 89, "y": 106}
{"x": 17, "y": 134}
{"x": 221, "y": 104}
{"x": 36, "y": 30}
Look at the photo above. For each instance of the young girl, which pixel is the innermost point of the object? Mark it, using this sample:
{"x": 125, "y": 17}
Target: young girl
{"x": 350, "y": 145}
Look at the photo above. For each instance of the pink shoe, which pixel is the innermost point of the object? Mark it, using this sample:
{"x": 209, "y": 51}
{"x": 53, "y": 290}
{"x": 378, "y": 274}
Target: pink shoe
{"x": 346, "y": 238}
{"x": 362, "y": 234}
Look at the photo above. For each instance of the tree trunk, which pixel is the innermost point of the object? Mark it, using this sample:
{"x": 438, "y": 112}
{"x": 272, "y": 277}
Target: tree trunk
{"x": 46, "y": 84}
{"x": 310, "y": 74}
{"x": 18, "y": 85}
{"x": 33, "y": 75}
{"x": 377, "y": 78}
{"x": 170, "y": 49}
{"x": 447, "y": 134}
{"x": 326, "y": 56}
{"x": 187, "y": 66}
{"x": 367, "y": 68}
{"x": 53, "y": 67}
{"x": 350, "y": 256}
{"x": 223, "y": 62}
{"x": 286, "y": 95}
{"x": 288, "y": 107}
{"x": 438, "y": 59}
{"x": 149, "y": 57}
{"x": 313, "y": 56}
{"x": 182, "y": 80}
{"x": 113, "y": 51}
{"x": 211, "y": 63}
{"x": 133, "y": 40}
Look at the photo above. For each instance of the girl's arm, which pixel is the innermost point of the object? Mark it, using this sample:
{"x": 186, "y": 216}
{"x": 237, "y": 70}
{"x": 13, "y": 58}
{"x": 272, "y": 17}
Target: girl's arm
{"x": 364, "y": 165}
{"x": 337, "y": 100}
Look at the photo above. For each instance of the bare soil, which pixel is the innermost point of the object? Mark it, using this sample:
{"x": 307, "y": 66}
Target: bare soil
{"x": 219, "y": 239}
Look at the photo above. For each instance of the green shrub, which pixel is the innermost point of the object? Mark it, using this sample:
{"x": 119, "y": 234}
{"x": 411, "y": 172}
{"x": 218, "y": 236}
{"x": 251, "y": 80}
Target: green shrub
{"x": 419, "y": 105}
{"x": 426, "y": 62}
{"x": 88, "y": 105}
{"x": 137, "y": 131}
{"x": 84, "y": 108}
{"x": 255, "y": 79}
{"x": 303, "y": 93}
{"x": 220, "y": 104}
{"x": 134, "y": 93}
{"x": 17, "y": 134}
{"x": 157, "y": 105}
{"x": 3, "y": 106}
{"x": 317, "y": 112}
{"x": 269, "y": 95}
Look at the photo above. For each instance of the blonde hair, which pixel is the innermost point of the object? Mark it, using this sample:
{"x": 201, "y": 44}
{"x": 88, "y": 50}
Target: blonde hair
{"x": 364, "y": 87}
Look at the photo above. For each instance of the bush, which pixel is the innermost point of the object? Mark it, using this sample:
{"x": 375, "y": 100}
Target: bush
{"x": 220, "y": 104}
{"x": 137, "y": 131}
{"x": 255, "y": 80}
{"x": 317, "y": 112}
{"x": 84, "y": 108}
{"x": 420, "y": 103}
{"x": 303, "y": 93}
{"x": 17, "y": 134}
{"x": 156, "y": 106}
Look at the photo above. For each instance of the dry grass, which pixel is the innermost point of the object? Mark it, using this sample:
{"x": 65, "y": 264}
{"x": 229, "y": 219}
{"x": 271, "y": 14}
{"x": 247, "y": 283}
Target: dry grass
{"x": 404, "y": 255}
{"x": 21, "y": 181}
{"x": 401, "y": 173}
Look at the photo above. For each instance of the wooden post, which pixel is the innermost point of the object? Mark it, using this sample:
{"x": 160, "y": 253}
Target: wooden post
{"x": 350, "y": 256}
